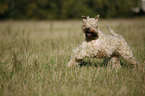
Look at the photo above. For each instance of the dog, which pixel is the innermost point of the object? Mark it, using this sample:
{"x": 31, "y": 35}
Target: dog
{"x": 100, "y": 45}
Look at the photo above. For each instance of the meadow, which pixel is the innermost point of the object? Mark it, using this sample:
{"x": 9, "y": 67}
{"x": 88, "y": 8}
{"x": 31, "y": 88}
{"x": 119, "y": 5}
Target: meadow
{"x": 34, "y": 55}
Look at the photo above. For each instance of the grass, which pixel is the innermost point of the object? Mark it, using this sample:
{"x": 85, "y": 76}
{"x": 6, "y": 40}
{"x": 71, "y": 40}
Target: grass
{"x": 34, "y": 54}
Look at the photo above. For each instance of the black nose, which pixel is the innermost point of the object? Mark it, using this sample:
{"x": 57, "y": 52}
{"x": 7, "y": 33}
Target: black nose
{"x": 88, "y": 29}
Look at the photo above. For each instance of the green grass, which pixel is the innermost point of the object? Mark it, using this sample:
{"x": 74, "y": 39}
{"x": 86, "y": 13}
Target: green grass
{"x": 34, "y": 54}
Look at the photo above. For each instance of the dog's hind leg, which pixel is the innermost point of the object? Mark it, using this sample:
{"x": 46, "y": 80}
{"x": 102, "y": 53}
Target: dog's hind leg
{"x": 114, "y": 62}
{"x": 131, "y": 59}
{"x": 127, "y": 55}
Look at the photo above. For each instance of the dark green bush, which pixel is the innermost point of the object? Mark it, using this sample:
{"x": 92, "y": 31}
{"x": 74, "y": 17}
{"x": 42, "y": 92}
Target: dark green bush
{"x": 64, "y": 9}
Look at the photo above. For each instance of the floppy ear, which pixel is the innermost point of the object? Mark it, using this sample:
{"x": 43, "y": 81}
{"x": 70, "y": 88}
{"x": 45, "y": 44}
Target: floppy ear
{"x": 97, "y": 17}
{"x": 84, "y": 18}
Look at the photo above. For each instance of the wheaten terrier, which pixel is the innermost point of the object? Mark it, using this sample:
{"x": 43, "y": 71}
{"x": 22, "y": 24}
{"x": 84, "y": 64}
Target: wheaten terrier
{"x": 100, "y": 45}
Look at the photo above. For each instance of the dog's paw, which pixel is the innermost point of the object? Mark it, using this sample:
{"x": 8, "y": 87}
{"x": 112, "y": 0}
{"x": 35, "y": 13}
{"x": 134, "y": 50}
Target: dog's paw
{"x": 72, "y": 64}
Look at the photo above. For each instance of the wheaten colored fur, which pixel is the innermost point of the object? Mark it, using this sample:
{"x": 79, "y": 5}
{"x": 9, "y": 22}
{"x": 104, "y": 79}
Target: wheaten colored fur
{"x": 110, "y": 47}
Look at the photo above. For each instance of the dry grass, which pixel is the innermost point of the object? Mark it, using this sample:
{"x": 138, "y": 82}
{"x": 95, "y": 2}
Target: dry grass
{"x": 34, "y": 54}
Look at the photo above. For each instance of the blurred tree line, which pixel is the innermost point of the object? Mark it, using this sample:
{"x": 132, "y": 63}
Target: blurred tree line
{"x": 64, "y": 9}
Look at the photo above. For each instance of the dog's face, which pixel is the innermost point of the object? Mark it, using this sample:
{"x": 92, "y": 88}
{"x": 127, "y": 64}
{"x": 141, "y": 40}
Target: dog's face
{"x": 90, "y": 27}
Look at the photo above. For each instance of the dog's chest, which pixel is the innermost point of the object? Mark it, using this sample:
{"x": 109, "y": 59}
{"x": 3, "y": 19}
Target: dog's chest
{"x": 94, "y": 49}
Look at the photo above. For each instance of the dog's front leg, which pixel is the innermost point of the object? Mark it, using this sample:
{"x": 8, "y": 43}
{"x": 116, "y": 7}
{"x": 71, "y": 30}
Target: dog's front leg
{"x": 76, "y": 58}
{"x": 74, "y": 62}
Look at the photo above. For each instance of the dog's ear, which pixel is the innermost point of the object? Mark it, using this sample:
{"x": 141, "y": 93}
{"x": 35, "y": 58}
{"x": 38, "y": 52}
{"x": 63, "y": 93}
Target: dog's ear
{"x": 97, "y": 17}
{"x": 84, "y": 18}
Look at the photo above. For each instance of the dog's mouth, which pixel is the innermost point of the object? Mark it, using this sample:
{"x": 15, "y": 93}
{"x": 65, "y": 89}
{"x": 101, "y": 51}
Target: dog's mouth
{"x": 91, "y": 34}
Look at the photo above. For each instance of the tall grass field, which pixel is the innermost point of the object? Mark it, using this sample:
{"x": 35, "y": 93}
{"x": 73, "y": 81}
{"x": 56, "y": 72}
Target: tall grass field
{"x": 34, "y": 55}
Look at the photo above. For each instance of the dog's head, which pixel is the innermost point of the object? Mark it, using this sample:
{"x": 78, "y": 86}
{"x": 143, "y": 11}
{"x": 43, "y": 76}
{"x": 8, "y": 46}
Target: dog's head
{"x": 90, "y": 27}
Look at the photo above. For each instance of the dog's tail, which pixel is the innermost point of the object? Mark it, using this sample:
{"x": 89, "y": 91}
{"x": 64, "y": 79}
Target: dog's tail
{"x": 111, "y": 31}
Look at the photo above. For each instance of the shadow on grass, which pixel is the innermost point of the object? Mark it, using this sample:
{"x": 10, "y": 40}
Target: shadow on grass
{"x": 97, "y": 64}
{"x": 92, "y": 64}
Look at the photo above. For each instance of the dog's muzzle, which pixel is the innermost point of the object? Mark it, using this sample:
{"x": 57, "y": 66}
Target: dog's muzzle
{"x": 91, "y": 34}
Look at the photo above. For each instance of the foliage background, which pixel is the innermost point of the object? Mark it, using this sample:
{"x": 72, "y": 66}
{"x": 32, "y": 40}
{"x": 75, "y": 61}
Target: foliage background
{"x": 64, "y": 9}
